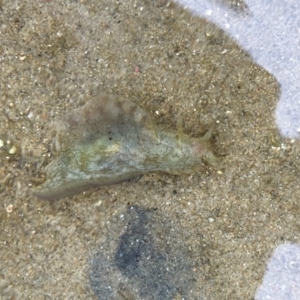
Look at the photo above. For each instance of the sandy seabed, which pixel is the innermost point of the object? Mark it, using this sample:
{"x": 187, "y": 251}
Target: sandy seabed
{"x": 204, "y": 236}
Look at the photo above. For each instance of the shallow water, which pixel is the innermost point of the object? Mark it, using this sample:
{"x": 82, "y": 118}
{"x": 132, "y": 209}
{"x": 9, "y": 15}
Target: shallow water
{"x": 208, "y": 235}
{"x": 269, "y": 31}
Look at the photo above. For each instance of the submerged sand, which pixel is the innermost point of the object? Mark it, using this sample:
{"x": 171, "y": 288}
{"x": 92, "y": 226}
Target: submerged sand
{"x": 204, "y": 236}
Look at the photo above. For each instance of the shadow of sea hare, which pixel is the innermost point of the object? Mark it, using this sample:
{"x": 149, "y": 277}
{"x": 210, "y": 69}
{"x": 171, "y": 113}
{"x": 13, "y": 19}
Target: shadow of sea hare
{"x": 150, "y": 260}
{"x": 110, "y": 140}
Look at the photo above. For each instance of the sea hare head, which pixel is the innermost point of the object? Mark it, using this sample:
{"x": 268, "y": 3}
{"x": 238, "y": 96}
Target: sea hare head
{"x": 110, "y": 140}
{"x": 202, "y": 148}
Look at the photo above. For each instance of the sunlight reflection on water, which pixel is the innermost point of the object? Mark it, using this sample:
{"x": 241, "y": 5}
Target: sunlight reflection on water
{"x": 270, "y": 32}
{"x": 282, "y": 278}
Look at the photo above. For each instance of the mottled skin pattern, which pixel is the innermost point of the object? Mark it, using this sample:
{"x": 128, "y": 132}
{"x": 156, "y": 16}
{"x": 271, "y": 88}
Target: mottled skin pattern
{"x": 110, "y": 140}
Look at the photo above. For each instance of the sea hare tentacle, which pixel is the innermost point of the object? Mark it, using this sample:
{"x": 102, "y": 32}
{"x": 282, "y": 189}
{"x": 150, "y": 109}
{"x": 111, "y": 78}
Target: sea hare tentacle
{"x": 110, "y": 140}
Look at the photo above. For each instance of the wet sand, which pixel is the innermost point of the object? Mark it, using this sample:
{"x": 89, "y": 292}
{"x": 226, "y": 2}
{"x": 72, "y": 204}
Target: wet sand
{"x": 204, "y": 236}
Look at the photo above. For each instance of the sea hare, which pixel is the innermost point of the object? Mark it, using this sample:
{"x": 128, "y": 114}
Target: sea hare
{"x": 110, "y": 140}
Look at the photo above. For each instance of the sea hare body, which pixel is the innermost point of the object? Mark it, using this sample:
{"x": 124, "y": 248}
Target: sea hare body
{"x": 110, "y": 140}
